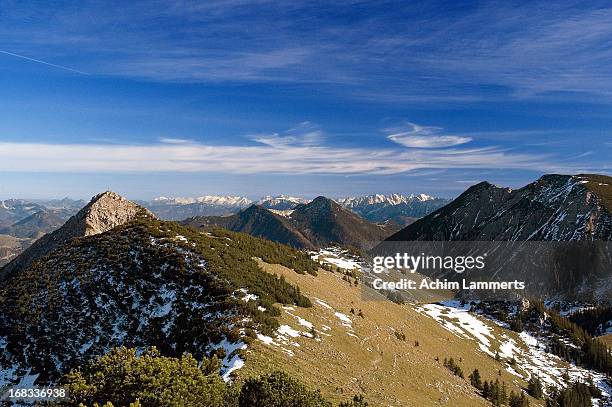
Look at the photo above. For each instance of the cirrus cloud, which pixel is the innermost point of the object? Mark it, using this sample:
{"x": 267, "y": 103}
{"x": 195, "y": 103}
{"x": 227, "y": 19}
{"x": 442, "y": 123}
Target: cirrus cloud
{"x": 260, "y": 159}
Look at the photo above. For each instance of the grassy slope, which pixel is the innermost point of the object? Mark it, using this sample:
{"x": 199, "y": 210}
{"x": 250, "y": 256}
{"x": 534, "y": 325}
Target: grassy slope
{"x": 607, "y": 339}
{"x": 387, "y": 370}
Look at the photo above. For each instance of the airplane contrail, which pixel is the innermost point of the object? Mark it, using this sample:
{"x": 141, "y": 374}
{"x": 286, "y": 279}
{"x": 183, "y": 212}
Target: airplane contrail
{"x": 43, "y": 62}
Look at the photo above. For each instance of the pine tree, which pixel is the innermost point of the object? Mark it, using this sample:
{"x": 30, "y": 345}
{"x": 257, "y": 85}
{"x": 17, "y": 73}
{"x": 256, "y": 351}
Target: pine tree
{"x": 518, "y": 400}
{"x": 475, "y": 379}
{"x": 503, "y": 394}
{"x": 486, "y": 390}
{"x": 535, "y": 388}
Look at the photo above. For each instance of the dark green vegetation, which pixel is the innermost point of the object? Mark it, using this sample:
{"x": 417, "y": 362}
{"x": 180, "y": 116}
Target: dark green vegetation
{"x": 576, "y": 395}
{"x": 534, "y": 388}
{"x": 453, "y": 367}
{"x": 122, "y": 378}
{"x": 277, "y": 389}
{"x": 497, "y": 393}
{"x": 594, "y": 321}
{"x": 145, "y": 283}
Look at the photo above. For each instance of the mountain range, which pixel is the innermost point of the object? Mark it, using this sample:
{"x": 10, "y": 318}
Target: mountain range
{"x": 14, "y": 210}
{"x": 23, "y": 221}
{"x": 35, "y": 225}
{"x": 317, "y": 223}
{"x": 115, "y": 275}
{"x": 402, "y": 209}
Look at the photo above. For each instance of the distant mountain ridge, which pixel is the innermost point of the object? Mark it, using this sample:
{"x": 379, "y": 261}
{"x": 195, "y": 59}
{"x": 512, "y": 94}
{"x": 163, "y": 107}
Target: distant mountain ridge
{"x": 402, "y": 209}
{"x": 15, "y": 210}
{"x": 281, "y": 202}
{"x": 208, "y": 205}
{"x": 256, "y": 221}
{"x": 35, "y": 225}
{"x": 309, "y": 225}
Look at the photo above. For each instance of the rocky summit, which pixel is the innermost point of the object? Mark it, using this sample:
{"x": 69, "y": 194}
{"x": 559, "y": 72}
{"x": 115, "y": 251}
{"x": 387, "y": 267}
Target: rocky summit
{"x": 104, "y": 212}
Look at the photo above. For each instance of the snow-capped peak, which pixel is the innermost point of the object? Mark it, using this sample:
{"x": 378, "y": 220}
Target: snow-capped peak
{"x": 282, "y": 198}
{"x": 229, "y": 200}
{"x": 391, "y": 199}
{"x": 424, "y": 197}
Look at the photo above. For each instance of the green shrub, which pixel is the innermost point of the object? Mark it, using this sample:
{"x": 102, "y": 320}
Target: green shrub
{"x": 278, "y": 389}
{"x": 121, "y": 378}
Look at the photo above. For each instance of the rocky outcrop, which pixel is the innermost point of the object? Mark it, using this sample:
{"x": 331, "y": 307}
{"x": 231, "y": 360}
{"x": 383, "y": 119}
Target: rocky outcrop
{"x": 104, "y": 212}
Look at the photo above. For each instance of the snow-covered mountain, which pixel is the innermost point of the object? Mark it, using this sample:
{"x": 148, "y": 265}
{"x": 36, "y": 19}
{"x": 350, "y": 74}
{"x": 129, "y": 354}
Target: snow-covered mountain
{"x": 281, "y": 202}
{"x": 207, "y": 205}
{"x": 391, "y": 199}
{"x": 402, "y": 209}
{"x": 221, "y": 200}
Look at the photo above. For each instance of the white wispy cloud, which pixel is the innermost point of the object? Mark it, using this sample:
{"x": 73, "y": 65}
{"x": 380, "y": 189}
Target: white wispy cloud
{"x": 417, "y": 136}
{"x": 258, "y": 159}
{"x": 304, "y": 134}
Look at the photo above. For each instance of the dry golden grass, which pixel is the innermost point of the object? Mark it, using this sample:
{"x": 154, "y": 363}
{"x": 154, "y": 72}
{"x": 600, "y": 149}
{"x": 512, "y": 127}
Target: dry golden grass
{"x": 607, "y": 339}
{"x": 387, "y": 370}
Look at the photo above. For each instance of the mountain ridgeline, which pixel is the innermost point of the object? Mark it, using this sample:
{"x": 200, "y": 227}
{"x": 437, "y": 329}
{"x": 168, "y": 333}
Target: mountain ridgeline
{"x": 401, "y": 209}
{"x": 115, "y": 275}
{"x": 553, "y": 208}
{"x": 309, "y": 225}
{"x": 554, "y": 234}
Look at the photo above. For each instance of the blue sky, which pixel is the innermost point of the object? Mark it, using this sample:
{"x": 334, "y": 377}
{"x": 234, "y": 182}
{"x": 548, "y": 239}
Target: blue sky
{"x": 259, "y": 97}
